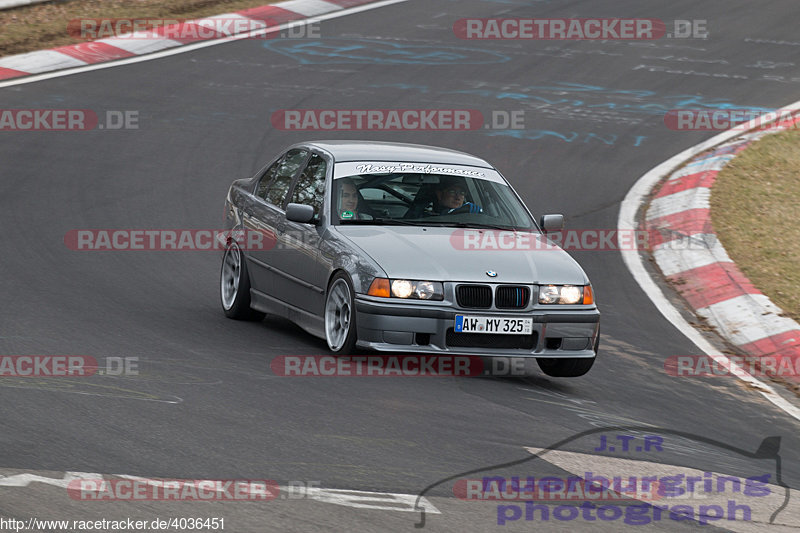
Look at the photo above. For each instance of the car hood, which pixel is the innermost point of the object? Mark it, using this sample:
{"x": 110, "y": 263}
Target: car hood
{"x": 439, "y": 253}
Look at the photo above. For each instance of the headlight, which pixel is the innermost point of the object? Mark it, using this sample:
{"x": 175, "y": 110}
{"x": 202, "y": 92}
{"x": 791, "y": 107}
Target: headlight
{"x": 402, "y": 288}
{"x": 571, "y": 294}
{"x": 548, "y": 294}
{"x": 407, "y": 289}
{"x": 425, "y": 290}
{"x": 566, "y": 294}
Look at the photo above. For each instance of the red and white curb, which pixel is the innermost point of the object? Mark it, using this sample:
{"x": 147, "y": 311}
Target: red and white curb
{"x": 715, "y": 257}
{"x": 140, "y": 43}
{"x": 691, "y": 257}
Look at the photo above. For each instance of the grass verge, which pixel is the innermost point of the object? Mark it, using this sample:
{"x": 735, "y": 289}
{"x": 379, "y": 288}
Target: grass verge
{"x": 755, "y": 208}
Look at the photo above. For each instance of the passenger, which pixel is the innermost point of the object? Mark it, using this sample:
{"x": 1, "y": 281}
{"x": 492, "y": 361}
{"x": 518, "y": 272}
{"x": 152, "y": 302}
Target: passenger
{"x": 348, "y": 200}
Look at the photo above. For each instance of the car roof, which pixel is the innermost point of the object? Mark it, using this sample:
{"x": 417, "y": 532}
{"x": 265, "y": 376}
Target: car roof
{"x": 390, "y": 151}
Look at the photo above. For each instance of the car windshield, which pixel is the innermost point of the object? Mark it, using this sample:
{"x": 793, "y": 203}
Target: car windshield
{"x": 427, "y": 200}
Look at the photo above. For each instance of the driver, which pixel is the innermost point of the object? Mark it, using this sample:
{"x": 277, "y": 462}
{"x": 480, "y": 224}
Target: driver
{"x": 451, "y": 196}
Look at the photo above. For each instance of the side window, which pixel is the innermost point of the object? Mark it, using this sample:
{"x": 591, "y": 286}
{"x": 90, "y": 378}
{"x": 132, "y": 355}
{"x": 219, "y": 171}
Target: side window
{"x": 286, "y": 169}
{"x": 266, "y": 179}
{"x": 310, "y": 186}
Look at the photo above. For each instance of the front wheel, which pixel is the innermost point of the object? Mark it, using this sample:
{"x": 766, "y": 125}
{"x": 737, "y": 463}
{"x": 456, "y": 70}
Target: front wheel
{"x": 234, "y": 284}
{"x": 340, "y": 315}
{"x": 568, "y": 367}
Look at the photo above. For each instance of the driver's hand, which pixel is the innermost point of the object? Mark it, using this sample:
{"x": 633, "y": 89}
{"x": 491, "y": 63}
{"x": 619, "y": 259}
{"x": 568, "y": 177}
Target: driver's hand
{"x": 468, "y": 207}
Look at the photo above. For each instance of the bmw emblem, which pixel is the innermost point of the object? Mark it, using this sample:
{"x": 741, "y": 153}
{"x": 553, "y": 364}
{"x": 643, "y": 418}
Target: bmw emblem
{"x": 491, "y": 273}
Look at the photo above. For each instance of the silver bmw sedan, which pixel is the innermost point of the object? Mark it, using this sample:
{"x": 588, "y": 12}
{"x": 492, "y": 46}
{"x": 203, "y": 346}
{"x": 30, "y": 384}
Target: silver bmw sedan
{"x": 404, "y": 248}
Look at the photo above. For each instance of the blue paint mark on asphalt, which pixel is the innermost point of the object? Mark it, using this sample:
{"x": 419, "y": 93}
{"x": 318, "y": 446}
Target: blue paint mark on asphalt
{"x": 631, "y": 101}
{"x": 327, "y": 51}
{"x": 501, "y": 95}
{"x": 609, "y": 139}
{"x": 424, "y": 89}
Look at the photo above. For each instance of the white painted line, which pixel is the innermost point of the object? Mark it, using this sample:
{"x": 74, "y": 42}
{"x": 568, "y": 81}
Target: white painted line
{"x": 762, "y": 506}
{"x": 309, "y": 8}
{"x": 627, "y": 221}
{"x": 195, "y": 46}
{"x": 40, "y": 61}
{"x": 688, "y": 252}
{"x": 743, "y": 321}
{"x": 359, "y": 499}
{"x": 384, "y": 501}
{"x": 23, "y": 480}
{"x": 694, "y": 198}
{"x": 98, "y": 394}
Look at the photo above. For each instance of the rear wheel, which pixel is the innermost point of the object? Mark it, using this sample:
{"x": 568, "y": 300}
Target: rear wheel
{"x": 568, "y": 367}
{"x": 340, "y": 315}
{"x": 234, "y": 284}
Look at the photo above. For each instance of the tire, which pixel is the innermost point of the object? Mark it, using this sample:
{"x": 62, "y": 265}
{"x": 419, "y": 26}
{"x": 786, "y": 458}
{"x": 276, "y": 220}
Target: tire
{"x": 234, "y": 284}
{"x": 568, "y": 367}
{"x": 340, "y": 315}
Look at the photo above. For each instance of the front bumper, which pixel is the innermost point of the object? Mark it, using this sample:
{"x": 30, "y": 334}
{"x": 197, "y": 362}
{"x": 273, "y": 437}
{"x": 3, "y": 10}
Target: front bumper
{"x": 416, "y": 328}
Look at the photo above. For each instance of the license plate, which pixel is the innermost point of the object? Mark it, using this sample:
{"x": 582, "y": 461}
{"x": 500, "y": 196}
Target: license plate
{"x": 488, "y": 324}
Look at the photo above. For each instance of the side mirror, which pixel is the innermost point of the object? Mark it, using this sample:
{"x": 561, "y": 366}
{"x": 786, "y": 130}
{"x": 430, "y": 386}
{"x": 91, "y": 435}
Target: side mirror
{"x": 301, "y": 213}
{"x": 551, "y": 223}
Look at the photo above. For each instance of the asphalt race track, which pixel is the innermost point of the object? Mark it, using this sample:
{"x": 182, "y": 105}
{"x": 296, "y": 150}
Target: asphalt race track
{"x": 206, "y": 404}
